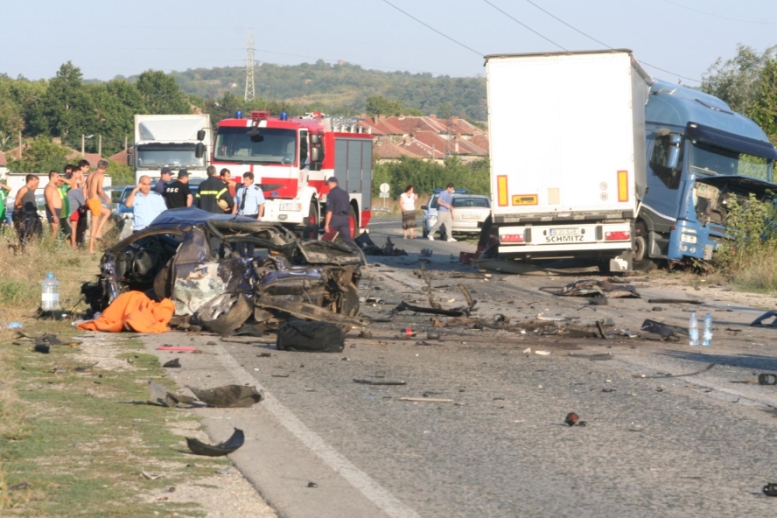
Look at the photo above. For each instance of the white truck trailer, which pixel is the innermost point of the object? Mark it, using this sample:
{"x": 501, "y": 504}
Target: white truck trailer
{"x": 567, "y": 145}
{"x": 174, "y": 141}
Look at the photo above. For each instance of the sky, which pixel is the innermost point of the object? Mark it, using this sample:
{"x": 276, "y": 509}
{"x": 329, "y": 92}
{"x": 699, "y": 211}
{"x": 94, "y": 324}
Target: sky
{"x": 107, "y": 38}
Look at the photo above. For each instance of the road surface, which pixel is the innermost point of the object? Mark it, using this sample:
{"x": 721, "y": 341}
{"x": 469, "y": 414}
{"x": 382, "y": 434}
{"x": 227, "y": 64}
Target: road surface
{"x": 690, "y": 445}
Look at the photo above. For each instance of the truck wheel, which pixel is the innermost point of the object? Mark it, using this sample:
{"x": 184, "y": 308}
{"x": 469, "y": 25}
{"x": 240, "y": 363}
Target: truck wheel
{"x": 353, "y": 223}
{"x": 425, "y": 230}
{"x": 641, "y": 260}
{"x": 311, "y": 223}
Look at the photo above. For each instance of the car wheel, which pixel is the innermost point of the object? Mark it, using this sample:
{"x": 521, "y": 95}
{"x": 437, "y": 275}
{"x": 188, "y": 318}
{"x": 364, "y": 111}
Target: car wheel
{"x": 224, "y": 313}
{"x": 311, "y": 223}
{"x": 353, "y": 223}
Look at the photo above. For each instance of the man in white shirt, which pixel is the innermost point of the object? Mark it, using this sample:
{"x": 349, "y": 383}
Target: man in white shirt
{"x": 249, "y": 202}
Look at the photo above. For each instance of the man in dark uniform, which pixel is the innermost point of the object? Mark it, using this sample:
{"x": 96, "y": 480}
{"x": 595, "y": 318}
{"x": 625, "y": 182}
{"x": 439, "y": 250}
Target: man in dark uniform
{"x": 211, "y": 192}
{"x": 338, "y": 209}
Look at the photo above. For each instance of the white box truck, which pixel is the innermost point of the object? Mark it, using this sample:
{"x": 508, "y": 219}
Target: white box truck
{"x": 174, "y": 141}
{"x": 567, "y": 145}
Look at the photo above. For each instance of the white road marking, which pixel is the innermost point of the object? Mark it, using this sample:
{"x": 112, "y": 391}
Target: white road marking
{"x": 373, "y": 491}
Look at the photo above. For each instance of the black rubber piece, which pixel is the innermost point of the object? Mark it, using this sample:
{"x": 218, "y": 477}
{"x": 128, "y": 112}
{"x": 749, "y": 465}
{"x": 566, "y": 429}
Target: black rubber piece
{"x": 767, "y": 379}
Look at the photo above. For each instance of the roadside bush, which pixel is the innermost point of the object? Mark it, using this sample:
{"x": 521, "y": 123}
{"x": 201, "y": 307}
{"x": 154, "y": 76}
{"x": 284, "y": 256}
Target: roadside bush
{"x": 426, "y": 176}
{"x": 749, "y": 258}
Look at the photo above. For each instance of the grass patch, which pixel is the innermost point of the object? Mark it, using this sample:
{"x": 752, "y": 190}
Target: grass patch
{"x": 749, "y": 259}
{"x": 80, "y": 439}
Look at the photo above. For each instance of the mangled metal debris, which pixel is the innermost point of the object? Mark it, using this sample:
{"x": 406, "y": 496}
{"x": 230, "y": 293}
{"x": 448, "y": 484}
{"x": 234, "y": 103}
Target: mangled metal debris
{"x": 178, "y": 257}
{"x": 369, "y": 248}
{"x": 593, "y": 288}
{"x": 311, "y": 337}
{"x": 160, "y": 396}
{"x": 572, "y": 419}
{"x": 760, "y": 320}
{"x": 668, "y": 332}
{"x": 228, "y": 396}
{"x": 224, "y": 448}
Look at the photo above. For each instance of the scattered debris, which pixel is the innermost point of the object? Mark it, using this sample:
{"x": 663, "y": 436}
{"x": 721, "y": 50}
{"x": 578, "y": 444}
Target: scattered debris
{"x": 425, "y": 400}
{"x": 767, "y": 379}
{"x": 149, "y": 476}
{"x": 432, "y": 335}
{"x": 20, "y": 486}
{"x": 225, "y": 448}
{"x": 542, "y": 353}
{"x": 312, "y": 484}
{"x": 177, "y": 348}
{"x": 608, "y": 389}
{"x": 41, "y": 348}
{"x": 770, "y": 489}
{"x": 573, "y": 419}
{"x": 85, "y": 368}
{"x": 426, "y": 252}
{"x": 370, "y": 248}
{"x": 668, "y": 332}
{"x": 159, "y": 396}
{"x": 661, "y": 376}
{"x": 404, "y": 306}
{"x": 769, "y": 314}
{"x": 593, "y": 288}
{"x": 173, "y": 364}
{"x": 674, "y": 301}
{"x": 380, "y": 382}
{"x": 228, "y": 396}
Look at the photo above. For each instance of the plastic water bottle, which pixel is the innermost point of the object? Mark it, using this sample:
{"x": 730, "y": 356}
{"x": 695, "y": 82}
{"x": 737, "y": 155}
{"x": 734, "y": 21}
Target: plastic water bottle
{"x": 49, "y": 298}
{"x": 706, "y": 337}
{"x": 693, "y": 330}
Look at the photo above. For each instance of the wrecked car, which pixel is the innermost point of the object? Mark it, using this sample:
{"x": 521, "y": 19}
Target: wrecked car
{"x": 207, "y": 265}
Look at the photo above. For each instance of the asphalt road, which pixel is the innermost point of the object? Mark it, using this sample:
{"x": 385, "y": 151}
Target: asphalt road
{"x": 695, "y": 445}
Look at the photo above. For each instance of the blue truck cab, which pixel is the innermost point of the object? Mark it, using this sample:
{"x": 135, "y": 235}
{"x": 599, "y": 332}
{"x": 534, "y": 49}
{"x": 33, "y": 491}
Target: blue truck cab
{"x": 699, "y": 153}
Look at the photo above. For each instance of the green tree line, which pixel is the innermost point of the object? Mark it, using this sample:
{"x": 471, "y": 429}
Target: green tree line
{"x": 427, "y": 175}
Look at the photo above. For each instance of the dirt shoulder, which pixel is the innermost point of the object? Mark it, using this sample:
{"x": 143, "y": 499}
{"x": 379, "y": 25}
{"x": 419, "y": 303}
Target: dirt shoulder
{"x": 79, "y": 439}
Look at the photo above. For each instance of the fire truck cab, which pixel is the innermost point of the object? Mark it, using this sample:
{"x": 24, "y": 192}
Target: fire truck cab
{"x": 291, "y": 159}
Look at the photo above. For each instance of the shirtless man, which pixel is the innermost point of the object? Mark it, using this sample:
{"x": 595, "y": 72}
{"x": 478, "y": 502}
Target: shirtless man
{"x": 76, "y": 201}
{"x": 25, "y": 214}
{"x": 54, "y": 198}
{"x": 93, "y": 193}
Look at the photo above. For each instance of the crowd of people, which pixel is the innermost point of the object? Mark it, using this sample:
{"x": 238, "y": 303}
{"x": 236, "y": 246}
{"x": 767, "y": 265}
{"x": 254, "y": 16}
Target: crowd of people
{"x": 69, "y": 197}
{"x": 75, "y": 194}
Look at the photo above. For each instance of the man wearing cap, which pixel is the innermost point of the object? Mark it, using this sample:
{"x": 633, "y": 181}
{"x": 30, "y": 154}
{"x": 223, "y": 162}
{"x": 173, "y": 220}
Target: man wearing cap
{"x": 338, "y": 209}
{"x": 166, "y": 176}
{"x": 212, "y": 191}
{"x": 177, "y": 194}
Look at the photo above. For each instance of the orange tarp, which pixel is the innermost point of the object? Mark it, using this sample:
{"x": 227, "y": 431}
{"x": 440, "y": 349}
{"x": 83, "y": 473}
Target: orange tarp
{"x": 133, "y": 311}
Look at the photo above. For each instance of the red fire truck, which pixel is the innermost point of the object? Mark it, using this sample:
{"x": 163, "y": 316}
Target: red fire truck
{"x": 291, "y": 158}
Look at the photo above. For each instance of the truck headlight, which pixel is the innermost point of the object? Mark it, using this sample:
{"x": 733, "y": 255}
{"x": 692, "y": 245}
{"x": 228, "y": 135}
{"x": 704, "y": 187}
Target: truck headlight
{"x": 689, "y": 238}
{"x": 290, "y": 206}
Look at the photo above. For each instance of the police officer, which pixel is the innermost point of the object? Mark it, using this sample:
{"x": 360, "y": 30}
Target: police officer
{"x": 249, "y": 201}
{"x": 211, "y": 192}
{"x": 338, "y": 209}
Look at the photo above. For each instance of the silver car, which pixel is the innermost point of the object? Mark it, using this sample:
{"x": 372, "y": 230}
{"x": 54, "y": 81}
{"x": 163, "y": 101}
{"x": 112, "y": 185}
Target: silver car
{"x": 469, "y": 213}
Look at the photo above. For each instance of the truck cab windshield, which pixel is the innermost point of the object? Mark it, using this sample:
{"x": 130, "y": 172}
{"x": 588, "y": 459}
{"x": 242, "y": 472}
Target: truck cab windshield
{"x": 709, "y": 160}
{"x": 155, "y": 156}
{"x": 270, "y": 146}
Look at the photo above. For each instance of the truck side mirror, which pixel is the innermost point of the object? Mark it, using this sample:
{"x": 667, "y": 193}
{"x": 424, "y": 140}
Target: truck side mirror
{"x": 316, "y": 154}
{"x": 201, "y": 135}
{"x": 674, "y": 151}
{"x": 199, "y": 150}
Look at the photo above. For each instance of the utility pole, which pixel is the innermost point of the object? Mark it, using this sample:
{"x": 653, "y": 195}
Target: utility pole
{"x": 125, "y": 143}
{"x": 100, "y": 146}
{"x": 20, "y": 145}
{"x": 250, "y": 92}
{"x": 83, "y": 143}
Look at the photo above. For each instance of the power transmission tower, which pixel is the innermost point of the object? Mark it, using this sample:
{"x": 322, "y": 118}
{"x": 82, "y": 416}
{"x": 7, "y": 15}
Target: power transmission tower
{"x": 250, "y": 89}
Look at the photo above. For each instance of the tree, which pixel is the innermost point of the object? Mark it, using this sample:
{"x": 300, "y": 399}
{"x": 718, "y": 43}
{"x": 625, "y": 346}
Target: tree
{"x": 116, "y": 103}
{"x": 763, "y": 110}
{"x": 65, "y": 108}
{"x": 382, "y": 106}
{"x": 736, "y": 81}
{"x": 161, "y": 94}
{"x": 40, "y": 157}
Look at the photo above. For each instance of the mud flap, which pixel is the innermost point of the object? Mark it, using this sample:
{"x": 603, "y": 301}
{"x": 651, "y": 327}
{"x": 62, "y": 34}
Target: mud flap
{"x": 622, "y": 262}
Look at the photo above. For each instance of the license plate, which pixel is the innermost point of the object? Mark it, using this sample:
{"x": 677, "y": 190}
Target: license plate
{"x": 470, "y": 216}
{"x": 566, "y": 232}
